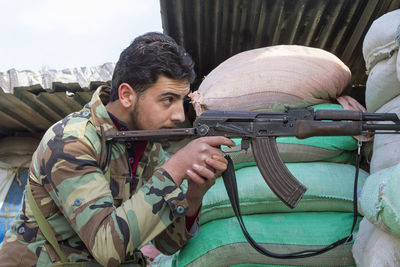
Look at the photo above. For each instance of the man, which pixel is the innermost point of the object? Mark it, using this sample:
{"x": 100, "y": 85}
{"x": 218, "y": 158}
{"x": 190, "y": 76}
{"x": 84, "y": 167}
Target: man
{"x": 101, "y": 204}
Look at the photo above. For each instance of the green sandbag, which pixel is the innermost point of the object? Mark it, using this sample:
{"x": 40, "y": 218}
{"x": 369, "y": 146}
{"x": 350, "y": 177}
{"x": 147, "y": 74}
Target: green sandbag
{"x": 330, "y": 188}
{"x": 222, "y": 243}
{"x": 340, "y": 149}
{"x": 270, "y": 265}
{"x": 380, "y": 199}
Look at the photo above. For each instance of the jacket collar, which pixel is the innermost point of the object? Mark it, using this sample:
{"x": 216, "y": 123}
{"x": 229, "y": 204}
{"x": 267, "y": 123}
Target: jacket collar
{"x": 100, "y": 117}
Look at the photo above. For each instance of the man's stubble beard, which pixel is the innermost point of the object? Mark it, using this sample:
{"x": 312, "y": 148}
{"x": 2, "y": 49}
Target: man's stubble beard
{"x": 134, "y": 114}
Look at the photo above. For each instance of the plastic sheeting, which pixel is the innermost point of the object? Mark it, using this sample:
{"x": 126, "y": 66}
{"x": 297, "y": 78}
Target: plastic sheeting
{"x": 11, "y": 193}
{"x": 7, "y": 175}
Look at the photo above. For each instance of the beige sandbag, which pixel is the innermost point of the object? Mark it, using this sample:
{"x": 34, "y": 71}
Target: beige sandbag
{"x": 380, "y": 40}
{"x": 382, "y": 84}
{"x": 373, "y": 247}
{"x": 271, "y": 78}
{"x": 386, "y": 149}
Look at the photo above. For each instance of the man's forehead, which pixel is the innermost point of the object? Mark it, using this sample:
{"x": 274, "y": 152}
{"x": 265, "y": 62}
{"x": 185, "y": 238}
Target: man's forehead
{"x": 166, "y": 85}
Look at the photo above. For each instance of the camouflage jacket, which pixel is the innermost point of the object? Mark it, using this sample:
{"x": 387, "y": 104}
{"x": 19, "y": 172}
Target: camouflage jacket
{"x": 92, "y": 218}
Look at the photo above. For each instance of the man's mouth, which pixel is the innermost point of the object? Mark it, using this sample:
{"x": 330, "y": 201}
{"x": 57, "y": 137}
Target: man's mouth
{"x": 168, "y": 127}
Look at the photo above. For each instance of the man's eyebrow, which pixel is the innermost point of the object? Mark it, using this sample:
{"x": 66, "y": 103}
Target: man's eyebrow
{"x": 178, "y": 96}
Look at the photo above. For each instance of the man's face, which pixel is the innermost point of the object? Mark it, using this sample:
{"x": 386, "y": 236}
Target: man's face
{"x": 161, "y": 105}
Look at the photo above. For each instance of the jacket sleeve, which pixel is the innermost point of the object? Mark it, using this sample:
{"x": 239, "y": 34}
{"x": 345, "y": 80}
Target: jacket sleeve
{"x": 175, "y": 236}
{"x": 70, "y": 173}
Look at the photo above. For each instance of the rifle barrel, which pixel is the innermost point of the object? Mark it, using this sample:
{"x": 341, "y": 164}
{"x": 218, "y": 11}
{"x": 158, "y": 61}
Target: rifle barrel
{"x": 151, "y": 134}
{"x": 375, "y": 127}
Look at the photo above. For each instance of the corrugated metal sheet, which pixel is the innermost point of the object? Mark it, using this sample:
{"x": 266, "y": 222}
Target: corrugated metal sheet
{"x": 31, "y": 101}
{"x": 214, "y": 30}
{"x": 34, "y": 109}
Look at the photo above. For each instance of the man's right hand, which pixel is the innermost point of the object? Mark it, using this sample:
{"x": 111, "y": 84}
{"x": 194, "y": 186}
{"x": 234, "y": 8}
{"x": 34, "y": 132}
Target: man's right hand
{"x": 190, "y": 162}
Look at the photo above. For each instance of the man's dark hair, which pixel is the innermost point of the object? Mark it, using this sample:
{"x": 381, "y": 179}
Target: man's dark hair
{"x": 146, "y": 58}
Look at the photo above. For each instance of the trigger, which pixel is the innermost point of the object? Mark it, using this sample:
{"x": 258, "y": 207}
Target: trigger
{"x": 245, "y": 144}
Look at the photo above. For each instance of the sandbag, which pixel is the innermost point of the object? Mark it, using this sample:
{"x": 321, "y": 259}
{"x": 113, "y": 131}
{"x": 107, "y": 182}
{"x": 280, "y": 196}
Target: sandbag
{"x": 380, "y": 199}
{"x": 330, "y": 188}
{"x": 382, "y": 84}
{"x": 386, "y": 148}
{"x": 339, "y": 149}
{"x": 222, "y": 243}
{"x": 373, "y": 247}
{"x": 272, "y": 78}
{"x": 381, "y": 39}
{"x": 292, "y": 149}
{"x": 271, "y": 265}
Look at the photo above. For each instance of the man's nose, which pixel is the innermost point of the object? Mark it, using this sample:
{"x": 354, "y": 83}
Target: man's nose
{"x": 178, "y": 114}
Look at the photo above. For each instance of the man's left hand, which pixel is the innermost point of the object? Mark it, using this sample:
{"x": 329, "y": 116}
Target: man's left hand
{"x": 215, "y": 166}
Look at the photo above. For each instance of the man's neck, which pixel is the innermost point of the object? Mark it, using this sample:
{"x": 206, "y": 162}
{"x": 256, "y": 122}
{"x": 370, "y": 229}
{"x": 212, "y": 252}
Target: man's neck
{"x": 118, "y": 111}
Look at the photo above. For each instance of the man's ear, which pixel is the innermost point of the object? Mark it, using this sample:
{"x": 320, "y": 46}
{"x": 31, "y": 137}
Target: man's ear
{"x": 127, "y": 96}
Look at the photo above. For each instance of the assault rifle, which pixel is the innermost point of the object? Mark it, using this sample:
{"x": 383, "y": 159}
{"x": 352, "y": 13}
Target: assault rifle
{"x": 260, "y": 128}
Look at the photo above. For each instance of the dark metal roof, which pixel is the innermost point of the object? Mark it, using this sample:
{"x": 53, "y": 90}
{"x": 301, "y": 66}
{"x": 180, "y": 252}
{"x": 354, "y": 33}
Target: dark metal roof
{"x": 214, "y": 30}
{"x": 33, "y": 109}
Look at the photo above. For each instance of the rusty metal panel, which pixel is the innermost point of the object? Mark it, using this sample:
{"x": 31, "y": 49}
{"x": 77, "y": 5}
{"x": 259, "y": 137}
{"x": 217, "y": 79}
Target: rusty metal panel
{"x": 214, "y": 30}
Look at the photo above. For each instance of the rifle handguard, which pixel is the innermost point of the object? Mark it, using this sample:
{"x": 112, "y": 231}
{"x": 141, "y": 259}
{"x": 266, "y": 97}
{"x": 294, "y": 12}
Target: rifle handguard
{"x": 309, "y": 128}
{"x": 288, "y": 189}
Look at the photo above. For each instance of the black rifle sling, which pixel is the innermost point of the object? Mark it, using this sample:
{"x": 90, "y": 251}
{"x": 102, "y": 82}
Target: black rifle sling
{"x": 229, "y": 179}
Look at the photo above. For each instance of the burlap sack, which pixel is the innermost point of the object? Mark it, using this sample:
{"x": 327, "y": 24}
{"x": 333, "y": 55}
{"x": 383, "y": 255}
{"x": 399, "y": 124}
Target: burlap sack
{"x": 381, "y": 39}
{"x": 386, "y": 150}
{"x": 273, "y": 78}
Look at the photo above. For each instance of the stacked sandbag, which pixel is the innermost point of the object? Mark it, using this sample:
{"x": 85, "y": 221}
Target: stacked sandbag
{"x": 374, "y": 247}
{"x": 386, "y": 147}
{"x": 15, "y": 157}
{"x": 380, "y": 50}
{"x": 222, "y": 243}
{"x": 271, "y": 79}
{"x": 380, "y": 199}
{"x": 378, "y": 241}
{"x": 323, "y": 216}
{"x": 330, "y": 188}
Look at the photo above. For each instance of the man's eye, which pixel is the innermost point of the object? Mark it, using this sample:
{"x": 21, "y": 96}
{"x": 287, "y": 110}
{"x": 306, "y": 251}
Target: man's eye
{"x": 167, "y": 100}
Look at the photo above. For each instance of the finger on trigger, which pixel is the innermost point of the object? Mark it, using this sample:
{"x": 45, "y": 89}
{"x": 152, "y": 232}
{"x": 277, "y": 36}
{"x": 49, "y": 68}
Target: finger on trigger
{"x": 219, "y": 140}
{"x": 218, "y": 165}
{"x": 219, "y": 158}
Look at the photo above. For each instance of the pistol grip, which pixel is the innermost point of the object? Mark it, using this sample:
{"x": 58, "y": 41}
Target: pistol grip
{"x": 284, "y": 185}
